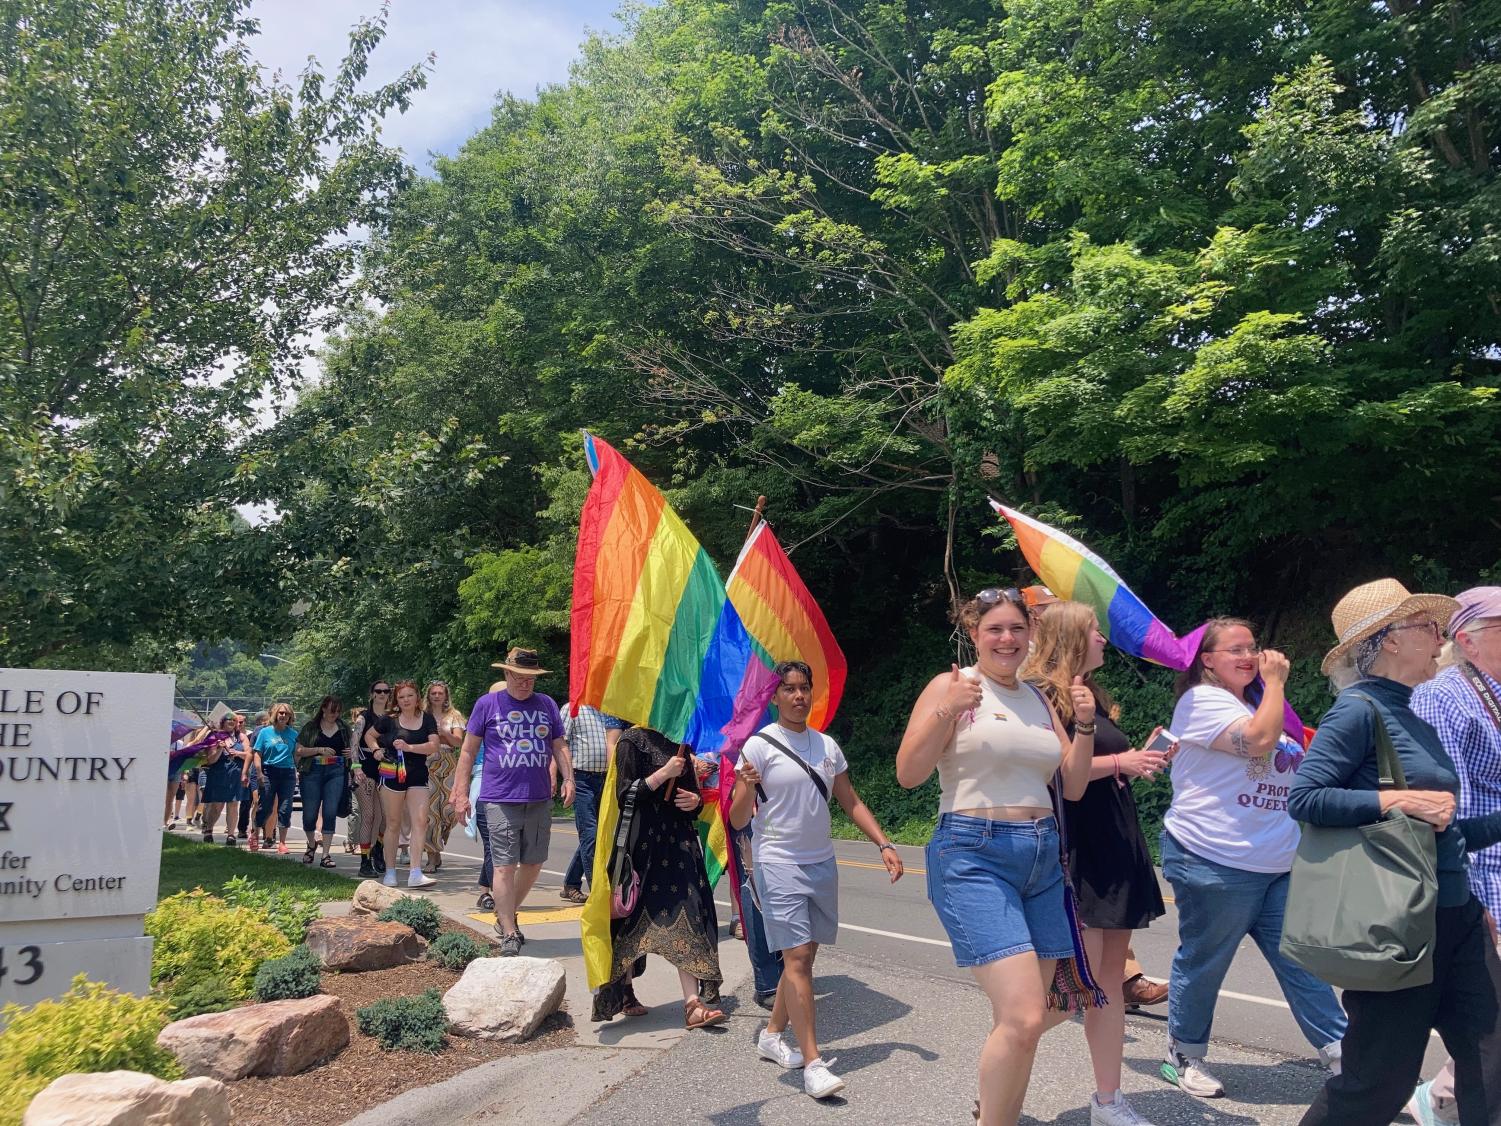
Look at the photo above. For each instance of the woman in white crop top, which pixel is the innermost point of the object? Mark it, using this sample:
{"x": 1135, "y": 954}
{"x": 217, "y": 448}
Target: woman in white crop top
{"x": 994, "y": 872}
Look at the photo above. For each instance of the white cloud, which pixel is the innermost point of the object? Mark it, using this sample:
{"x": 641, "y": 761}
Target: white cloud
{"x": 483, "y": 48}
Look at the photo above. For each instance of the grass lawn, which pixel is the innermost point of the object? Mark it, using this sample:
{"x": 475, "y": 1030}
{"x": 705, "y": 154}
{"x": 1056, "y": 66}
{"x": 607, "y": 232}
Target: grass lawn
{"x": 190, "y": 864}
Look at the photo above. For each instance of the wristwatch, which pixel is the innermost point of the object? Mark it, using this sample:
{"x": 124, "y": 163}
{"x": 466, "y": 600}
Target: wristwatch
{"x": 884, "y": 845}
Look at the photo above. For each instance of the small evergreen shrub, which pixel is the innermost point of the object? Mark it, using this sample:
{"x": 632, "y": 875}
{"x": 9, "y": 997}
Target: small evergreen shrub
{"x": 206, "y": 952}
{"x": 289, "y": 977}
{"x": 407, "y": 1024}
{"x": 421, "y": 915}
{"x": 289, "y": 910}
{"x": 89, "y": 1028}
{"x": 454, "y": 950}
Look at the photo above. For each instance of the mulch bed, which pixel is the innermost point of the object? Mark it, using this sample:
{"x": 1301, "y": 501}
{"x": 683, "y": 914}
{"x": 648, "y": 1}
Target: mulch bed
{"x": 364, "y": 1074}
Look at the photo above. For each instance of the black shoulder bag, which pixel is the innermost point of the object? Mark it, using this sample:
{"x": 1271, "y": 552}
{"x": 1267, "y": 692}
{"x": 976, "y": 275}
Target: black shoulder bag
{"x": 823, "y": 789}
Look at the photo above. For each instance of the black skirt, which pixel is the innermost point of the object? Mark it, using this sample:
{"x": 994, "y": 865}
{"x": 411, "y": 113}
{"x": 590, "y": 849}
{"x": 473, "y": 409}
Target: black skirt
{"x": 1115, "y": 885}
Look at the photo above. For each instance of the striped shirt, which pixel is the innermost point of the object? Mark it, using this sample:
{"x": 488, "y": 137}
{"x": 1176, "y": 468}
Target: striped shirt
{"x": 585, "y": 734}
{"x": 1450, "y": 704}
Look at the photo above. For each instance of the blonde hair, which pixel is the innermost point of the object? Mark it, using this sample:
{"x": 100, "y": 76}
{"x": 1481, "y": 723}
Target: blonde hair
{"x": 450, "y": 714}
{"x": 278, "y": 707}
{"x": 1060, "y": 649}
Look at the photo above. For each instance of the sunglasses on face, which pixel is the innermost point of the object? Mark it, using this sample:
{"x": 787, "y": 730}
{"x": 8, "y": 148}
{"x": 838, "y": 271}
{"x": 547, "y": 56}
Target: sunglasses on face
{"x": 380, "y": 691}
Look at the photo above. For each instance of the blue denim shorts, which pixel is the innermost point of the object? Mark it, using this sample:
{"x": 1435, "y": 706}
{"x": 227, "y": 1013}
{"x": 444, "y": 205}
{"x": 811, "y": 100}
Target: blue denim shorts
{"x": 998, "y": 888}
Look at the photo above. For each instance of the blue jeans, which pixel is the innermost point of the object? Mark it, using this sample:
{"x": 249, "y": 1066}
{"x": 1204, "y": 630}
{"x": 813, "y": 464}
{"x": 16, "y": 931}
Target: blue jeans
{"x": 280, "y": 781}
{"x": 1217, "y": 907}
{"x": 322, "y": 784}
{"x": 587, "y": 786}
{"x": 766, "y": 963}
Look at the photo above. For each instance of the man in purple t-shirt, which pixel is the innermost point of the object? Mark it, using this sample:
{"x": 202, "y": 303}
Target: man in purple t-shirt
{"x": 522, "y": 731}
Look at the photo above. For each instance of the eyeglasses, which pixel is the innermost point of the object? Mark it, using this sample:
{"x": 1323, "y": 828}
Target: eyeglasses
{"x": 380, "y": 691}
{"x": 994, "y": 594}
{"x": 1431, "y": 627}
{"x": 1239, "y": 651}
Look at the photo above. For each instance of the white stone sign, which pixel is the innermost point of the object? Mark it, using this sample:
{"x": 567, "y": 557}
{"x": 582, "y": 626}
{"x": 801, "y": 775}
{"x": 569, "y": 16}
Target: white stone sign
{"x": 83, "y": 773}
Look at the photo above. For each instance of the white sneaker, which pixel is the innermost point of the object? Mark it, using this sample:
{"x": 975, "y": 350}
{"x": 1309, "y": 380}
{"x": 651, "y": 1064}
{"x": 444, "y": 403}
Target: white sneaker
{"x": 819, "y": 1082}
{"x": 415, "y": 879}
{"x": 1117, "y": 1113}
{"x": 1190, "y": 1075}
{"x": 1332, "y": 1056}
{"x": 772, "y": 1047}
{"x": 389, "y": 879}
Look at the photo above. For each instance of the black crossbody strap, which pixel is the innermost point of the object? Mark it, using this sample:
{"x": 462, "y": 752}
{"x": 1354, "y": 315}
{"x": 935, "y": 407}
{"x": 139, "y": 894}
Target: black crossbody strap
{"x": 621, "y": 856}
{"x": 1483, "y": 690}
{"x": 823, "y": 790}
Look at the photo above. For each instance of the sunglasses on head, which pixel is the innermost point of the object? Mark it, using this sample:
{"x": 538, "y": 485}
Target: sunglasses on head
{"x": 990, "y": 596}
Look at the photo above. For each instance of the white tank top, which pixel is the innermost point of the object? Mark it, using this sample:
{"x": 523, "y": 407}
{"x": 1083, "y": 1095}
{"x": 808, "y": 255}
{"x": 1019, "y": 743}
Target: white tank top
{"x": 1006, "y": 755}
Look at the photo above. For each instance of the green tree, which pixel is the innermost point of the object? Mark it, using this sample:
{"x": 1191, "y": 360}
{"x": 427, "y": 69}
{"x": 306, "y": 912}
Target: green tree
{"x": 172, "y": 225}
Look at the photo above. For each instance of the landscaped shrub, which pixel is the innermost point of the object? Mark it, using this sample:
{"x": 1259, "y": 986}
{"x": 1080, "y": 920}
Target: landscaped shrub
{"x": 289, "y": 910}
{"x": 89, "y": 1028}
{"x": 454, "y": 950}
{"x": 407, "y": 1024}
{"x": 420, "y": 914}
{"x": 282, "y": 979}
{"x": 206, "y": 952}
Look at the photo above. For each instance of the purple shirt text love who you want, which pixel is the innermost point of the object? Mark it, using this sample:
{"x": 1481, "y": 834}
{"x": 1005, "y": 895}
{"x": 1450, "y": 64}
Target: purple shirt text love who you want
{"x": 518, "y": 737}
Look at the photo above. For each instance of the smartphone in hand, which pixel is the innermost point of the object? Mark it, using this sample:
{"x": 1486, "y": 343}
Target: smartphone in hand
{"x": 1162, "y": 740}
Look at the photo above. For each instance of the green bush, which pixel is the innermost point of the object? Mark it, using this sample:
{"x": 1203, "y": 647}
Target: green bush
{"x": 454, "y": 950}
{"x": 90, "y": 1028}
{"x": 420, "y": 914}
{"x": 289, "y": 910}
{"x": 206, "y": 952}
{"x": 407, "y": 1024}
{"x": 282, "y": 979}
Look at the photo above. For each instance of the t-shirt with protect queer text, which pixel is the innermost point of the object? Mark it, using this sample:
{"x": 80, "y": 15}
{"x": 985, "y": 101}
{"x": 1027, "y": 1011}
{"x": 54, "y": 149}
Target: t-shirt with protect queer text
{"x": 517, "y": 736}
{"x": 791, "y": 825}
{"x": 1226, "y": 808}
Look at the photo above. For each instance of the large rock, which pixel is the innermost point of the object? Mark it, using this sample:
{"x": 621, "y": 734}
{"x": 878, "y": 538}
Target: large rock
{"x": 504, "y": 998}
{"x": 277, "y": 1038}
{"x": 362, "y": 943}
{"x": 372, "y": 897}
{"x": 128, "y": 1098}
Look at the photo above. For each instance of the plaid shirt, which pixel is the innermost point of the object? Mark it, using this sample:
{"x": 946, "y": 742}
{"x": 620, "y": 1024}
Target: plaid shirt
{"x": 585, "y": 733}
{"x": 1450, "y": 704}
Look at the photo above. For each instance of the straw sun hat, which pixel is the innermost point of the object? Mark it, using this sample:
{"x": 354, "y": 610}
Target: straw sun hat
{"x": 1374, "y": 606}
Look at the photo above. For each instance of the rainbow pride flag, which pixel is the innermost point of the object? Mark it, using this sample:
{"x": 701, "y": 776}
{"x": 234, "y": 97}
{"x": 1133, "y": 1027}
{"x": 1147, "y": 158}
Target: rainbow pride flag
{"x": 1071, "y": 571}
{"x": 784, "y": 621}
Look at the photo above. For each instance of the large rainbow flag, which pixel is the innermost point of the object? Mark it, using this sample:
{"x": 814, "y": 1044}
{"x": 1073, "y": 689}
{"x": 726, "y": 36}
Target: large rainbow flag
{"x": 1070, "y": 570}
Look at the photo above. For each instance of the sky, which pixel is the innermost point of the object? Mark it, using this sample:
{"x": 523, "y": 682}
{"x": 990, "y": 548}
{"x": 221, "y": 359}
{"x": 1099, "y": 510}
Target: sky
{"x": 483, "y": 47}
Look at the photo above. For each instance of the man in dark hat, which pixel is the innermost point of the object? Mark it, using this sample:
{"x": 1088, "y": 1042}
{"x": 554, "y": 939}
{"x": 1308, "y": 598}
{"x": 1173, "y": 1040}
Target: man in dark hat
{"x": 525, "y": 753}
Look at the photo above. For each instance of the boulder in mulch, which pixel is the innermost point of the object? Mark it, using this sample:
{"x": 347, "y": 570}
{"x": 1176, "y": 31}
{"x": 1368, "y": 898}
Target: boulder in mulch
{"x": 129, "y": 1098}
{"x": 504, "y": 998}
{"x": 277, "y": 1038}
{"x": 372, "y": 897}
{"x": 362, "y": 943}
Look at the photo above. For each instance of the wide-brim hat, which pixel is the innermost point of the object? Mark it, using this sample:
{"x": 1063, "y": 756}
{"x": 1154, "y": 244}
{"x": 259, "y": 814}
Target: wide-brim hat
{"x": 521, "y": 661}
{"x": 1370, "y": 608}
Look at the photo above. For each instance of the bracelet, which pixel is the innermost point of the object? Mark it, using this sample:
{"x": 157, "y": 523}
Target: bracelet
{"x": 1084, "y": 729}
{"x": 1117, "y": 760}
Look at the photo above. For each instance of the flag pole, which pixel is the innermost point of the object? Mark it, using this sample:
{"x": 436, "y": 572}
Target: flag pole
{"x": 756, "y": 519}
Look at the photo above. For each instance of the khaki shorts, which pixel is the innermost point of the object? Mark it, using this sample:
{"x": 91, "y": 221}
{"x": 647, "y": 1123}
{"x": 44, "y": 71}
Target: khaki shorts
{"x": 519, "y": 831}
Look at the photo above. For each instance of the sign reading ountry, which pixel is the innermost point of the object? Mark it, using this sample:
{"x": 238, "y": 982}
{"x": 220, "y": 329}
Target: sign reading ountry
{"x": 83, "y": 768}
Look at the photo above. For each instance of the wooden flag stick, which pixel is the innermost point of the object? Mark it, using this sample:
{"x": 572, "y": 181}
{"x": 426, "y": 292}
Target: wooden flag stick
{"x": 756, "y": 518}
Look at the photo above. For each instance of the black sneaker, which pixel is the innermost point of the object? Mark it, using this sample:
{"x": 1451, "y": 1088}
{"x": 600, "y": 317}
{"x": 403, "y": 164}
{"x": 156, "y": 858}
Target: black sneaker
{"x": 378, "y": 857}
{"x": 767, "y": 1000}
{"x": 367, "y": 870}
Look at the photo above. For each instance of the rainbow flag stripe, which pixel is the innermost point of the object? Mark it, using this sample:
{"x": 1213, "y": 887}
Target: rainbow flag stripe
{"x": 784, "y": 621}
{"x": 1070, "y": 570}
{"x": 646, "y": 601}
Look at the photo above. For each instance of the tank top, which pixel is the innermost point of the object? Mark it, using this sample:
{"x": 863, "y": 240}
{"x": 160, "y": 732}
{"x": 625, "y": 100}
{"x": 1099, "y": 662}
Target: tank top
{"x": 1005, "y": 755}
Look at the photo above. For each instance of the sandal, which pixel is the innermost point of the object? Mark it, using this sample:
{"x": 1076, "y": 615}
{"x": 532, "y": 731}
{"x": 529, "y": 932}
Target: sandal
{"x": 737, "y": 930}
{"x": 327, "y": 862}
{"x": 698, "y": 1015}
{"x": 307, "y": 857}
{"x": 208, "y": 836}
{"x": 574, "y": 895}
{"x": 230, "y": 842}
{"x": 634, "y": 1009}
{"x": 486, "y": 902}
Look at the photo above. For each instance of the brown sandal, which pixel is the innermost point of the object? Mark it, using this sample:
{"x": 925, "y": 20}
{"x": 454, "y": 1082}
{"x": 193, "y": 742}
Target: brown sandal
{"x": 698, "y": 1015}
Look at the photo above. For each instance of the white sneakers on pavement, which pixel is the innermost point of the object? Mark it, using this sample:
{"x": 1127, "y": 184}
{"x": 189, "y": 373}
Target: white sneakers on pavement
{"x": 416, "y": 879}
{"x": 772, "y": 1047}
{"x": 1116, "y": 1113}
{"x": 389, "y": 879}
{"x": 818, "y": 1081}
{"x": 1189, "y": 1075}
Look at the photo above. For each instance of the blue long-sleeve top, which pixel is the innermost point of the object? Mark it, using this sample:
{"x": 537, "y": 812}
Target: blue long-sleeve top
{"x": 1336, "y": 785}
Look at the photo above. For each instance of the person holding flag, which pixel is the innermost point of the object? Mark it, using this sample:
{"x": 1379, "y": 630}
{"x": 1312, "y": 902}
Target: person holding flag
{"x": 794, "y": 771}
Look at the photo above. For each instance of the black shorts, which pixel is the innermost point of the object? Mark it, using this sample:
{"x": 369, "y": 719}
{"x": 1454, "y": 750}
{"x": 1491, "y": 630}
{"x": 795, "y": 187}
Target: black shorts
{"x": 416, "y": 775}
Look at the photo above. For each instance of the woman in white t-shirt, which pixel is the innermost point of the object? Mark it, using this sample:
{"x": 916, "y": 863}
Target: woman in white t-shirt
{"x": 1228, "y": 844}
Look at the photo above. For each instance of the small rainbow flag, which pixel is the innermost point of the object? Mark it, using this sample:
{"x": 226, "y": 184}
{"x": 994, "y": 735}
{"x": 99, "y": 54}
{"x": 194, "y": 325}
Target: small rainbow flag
{"x": 1072, "y": 571}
